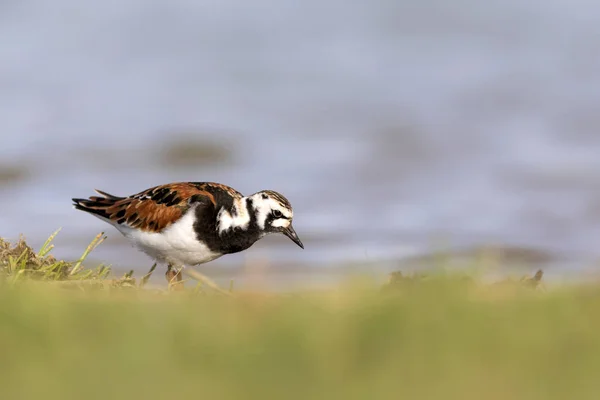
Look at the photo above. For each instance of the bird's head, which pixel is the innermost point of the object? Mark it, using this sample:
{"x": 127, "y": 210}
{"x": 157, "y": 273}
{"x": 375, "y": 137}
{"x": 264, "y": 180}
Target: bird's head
{"x": 274, "y": 214}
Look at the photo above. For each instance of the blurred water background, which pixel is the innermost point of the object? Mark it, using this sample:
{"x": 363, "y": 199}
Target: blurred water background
{"x": 392, "y": 126}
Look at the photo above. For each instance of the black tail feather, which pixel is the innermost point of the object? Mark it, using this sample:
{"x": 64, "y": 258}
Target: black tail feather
{"x": 95, "y": 205}
{"x": 108, "y": 195}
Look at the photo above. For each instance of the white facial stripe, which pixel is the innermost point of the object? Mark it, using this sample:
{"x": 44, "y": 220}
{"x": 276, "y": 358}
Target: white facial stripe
{"x": 226, "y": 221}
{"x": 281, "y": 223}
{"x": 263, "y": 209}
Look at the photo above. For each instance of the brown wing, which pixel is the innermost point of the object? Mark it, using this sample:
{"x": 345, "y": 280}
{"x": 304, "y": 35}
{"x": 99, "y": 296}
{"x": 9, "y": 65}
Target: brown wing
{"x": 156, "y": 208}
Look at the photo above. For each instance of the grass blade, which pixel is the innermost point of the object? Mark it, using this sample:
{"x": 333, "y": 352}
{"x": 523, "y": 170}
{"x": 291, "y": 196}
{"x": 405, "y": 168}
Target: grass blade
{"x": 47, "y": 246}
{"x": 206, "y": 280}
{"x": 146, "y": 277}
{"x": 94, "y": 243}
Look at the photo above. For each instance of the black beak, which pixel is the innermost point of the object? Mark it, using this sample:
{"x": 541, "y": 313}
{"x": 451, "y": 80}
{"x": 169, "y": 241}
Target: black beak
{"x": 291, "y": 233}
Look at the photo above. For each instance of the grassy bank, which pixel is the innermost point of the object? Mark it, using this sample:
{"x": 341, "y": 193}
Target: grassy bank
{"x": 436, "y": 338}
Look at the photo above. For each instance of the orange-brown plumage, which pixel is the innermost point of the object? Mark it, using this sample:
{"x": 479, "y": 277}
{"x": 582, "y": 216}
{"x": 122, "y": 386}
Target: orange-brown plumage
{"x": 154, "y": 209}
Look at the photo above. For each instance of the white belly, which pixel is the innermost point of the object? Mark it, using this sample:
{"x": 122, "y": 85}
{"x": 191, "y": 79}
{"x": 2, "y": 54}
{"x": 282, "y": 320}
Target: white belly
{"x": 177, "y": 244}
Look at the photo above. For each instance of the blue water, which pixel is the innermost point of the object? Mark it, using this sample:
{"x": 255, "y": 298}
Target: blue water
{"x": 390, "y": 125}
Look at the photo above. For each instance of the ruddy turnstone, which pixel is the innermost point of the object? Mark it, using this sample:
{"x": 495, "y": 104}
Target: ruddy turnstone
{"x": 190, "y": 223}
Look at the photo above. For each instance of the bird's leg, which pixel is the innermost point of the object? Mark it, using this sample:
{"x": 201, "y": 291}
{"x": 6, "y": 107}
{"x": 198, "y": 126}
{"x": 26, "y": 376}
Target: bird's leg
{"x": 170, "y": 274}
{"x": 174, "y": 277}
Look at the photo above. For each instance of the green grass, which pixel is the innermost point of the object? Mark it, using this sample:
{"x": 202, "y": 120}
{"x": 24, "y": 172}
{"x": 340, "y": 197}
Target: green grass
{"x": 20, "y": 261}
{"x": 436, "y": 338}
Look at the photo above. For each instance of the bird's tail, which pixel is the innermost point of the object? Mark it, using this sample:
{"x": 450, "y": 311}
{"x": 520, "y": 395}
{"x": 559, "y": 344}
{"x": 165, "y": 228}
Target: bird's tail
{"x": 97, "y": 205}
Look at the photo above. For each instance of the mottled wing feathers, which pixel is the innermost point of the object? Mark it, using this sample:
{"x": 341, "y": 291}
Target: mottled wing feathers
{"x": 217, "y": 189}
{"x": 156, "y": 208}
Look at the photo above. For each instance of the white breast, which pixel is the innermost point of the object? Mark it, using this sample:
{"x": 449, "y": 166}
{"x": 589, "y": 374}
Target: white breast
{"x": 177, "y": 244}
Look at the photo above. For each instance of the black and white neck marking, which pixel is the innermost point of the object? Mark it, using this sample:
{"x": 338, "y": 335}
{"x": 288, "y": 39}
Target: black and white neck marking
{"x": 236, "y": 217}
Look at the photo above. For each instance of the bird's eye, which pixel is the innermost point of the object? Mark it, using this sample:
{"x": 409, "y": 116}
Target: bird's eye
{"x": 277, "y": 214}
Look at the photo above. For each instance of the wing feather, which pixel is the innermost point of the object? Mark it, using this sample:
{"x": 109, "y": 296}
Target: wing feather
{"x": 155, "y": 209}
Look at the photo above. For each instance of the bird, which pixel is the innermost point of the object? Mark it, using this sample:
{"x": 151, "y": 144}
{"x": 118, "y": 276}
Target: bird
{"x": 185, "y": 224}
